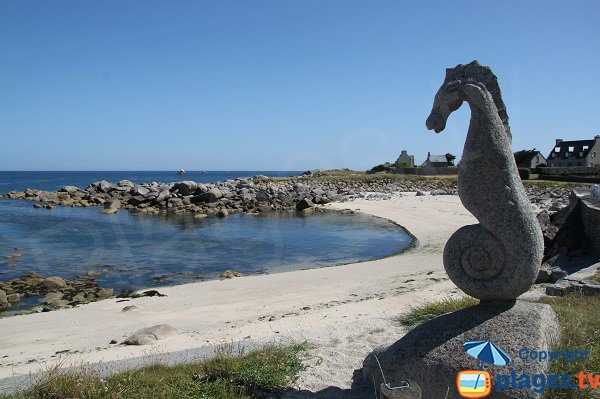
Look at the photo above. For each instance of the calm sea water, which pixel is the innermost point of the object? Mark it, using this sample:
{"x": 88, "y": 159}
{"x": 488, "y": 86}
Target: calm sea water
{"x": 134, "y": 251}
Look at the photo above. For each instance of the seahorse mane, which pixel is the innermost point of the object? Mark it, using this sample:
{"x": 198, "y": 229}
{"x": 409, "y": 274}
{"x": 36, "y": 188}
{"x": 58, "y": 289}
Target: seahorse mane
{"x": 475, "y": 72}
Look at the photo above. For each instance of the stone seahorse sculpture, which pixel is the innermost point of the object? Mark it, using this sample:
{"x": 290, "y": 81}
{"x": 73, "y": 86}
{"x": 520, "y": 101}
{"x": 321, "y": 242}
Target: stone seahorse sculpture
{"x": 499, "y": 258}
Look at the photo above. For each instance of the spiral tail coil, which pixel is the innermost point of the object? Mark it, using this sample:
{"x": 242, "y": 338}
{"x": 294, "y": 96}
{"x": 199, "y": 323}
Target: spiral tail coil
{"x": 475, "y": 260}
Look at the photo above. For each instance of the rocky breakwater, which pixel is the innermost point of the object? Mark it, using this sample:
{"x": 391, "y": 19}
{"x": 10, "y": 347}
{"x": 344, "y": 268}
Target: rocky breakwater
{"x": 255, "y": 195}
{"x": 51, "y": 292}
{"x": 251, "y": 195}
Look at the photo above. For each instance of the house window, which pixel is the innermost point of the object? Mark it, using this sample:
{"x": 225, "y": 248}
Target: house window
{"x": 571, "y": 149}
{"x": 556, "y": 149}
{"x": 594, "y": 154}
{"x": 567, "y": 155}
{"x": 585, "y": 147}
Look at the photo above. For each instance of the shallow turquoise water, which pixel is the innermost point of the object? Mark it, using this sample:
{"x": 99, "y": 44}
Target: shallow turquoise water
{"x": 137, "y": 251}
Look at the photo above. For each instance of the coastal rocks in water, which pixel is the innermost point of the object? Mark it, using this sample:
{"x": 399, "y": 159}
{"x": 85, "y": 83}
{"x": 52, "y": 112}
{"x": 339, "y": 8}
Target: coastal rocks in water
{"x": 227, "y": 274}
{"x": 3, "y": 301}
{"x": 248, "y": 195}
{"x": 104, "y": 293}
{"x": 150, "y": 335}
{"x": 222, "y": 213}
{"x": 54, "y": 282}
{"x": 304, "y": 204}
{"x": 111, "y": 206}
{"x": 185, "y": 187}
{"x": 211, "y": 196}
{"x": 55, "y": 292}
{"x": 69, "y": 189}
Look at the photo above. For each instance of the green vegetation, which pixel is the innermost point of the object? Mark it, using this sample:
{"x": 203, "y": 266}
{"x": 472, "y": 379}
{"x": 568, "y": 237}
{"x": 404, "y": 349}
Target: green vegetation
{"x": 580, "y": 329}
{"x": 362, "y": 177}
{"x": 422, "y": 313}
{"x": 229, "y": 375}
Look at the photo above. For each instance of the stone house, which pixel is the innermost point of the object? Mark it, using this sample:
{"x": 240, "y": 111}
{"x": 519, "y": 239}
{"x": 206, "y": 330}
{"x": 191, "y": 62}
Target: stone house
{"x": 405, "y": 160}
{"x": 436, "y": 161}
{"x": 575, "y": 153}
{"x": 529, "y": 159}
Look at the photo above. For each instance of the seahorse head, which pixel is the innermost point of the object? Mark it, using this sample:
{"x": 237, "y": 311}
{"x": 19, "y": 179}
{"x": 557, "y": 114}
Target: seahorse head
{"x": 449, "y": 97}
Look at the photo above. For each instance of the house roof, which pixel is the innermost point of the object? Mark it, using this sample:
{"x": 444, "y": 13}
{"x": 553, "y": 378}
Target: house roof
{"x": 574, "y": 148}
{"x": 525, "y": 156}
{"x": 437, "y": 158}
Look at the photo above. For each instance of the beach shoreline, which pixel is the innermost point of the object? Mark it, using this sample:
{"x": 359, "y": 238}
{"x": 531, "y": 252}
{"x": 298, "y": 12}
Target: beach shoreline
{"x": 338, "y": 306}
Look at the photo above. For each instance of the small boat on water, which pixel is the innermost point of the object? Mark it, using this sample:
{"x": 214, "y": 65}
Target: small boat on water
{"x": 181, "y": 172}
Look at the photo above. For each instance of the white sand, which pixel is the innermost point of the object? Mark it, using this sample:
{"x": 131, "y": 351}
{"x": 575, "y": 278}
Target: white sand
{"x": 345, "y": 310}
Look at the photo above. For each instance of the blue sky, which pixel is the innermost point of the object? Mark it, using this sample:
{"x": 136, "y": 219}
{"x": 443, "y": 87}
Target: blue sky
{"x": 279, "y": 85}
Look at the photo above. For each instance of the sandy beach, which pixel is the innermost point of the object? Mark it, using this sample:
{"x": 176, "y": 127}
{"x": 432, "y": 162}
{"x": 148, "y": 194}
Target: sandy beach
{"x": 346, "y": 311}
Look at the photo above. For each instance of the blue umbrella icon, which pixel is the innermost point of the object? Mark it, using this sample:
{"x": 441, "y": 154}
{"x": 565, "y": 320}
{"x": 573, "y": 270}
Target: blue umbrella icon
{"x": 486, "y": 352}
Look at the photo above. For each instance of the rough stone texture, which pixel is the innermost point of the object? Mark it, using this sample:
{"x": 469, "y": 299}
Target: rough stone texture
{"x": 566, "y": 286}
{"x": 590, "y": 215}
{"x": 432, "y": 354}
{"x": 150, "y": 335}
{"x": 550, "y": 274}
{"x": 498, "y": 258}
{"x": 411, "y": 390}
{"x": 304, "y": 204}
{"x": 3, "y": 300}
{"x": 54, "y": 282}
{"x": 227, "y": 274}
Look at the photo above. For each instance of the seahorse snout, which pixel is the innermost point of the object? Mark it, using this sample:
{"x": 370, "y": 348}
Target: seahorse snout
{"x": 435, "y": 122}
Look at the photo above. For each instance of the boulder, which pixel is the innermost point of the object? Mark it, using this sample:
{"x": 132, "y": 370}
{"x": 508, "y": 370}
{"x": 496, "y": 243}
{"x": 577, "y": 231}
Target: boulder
{"x": 304, "y": 204}
{"x": 104, "y": 186}
{"x": 150, "y": 335}
{"x": 139, "y": 190}
{"x": 211, "y": 196}
{"x": 54, "y": 282}
{"x": 298, "y": 187}
{"x": 104, "y": 293}
{"x": 262, "y": 196}
{"x": 582, "y": 287}
{"x": 52, "y": 297}
{"x": 222, "y": 213}
{"x": 185, "y": 187}
{"x": 69, "y": 189}
{"x": 111, "y": 206}
{"x": 432, "y": 354}
{"x": 550, "y": 274}
{"x": 136, "y": 200}
{"x": 3, "y": 301}
{"x": 14, "y": 297}
{"x": 163, "y": 195}
{"x": 227, "y": 274}
{"x": 125, "y": 183}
